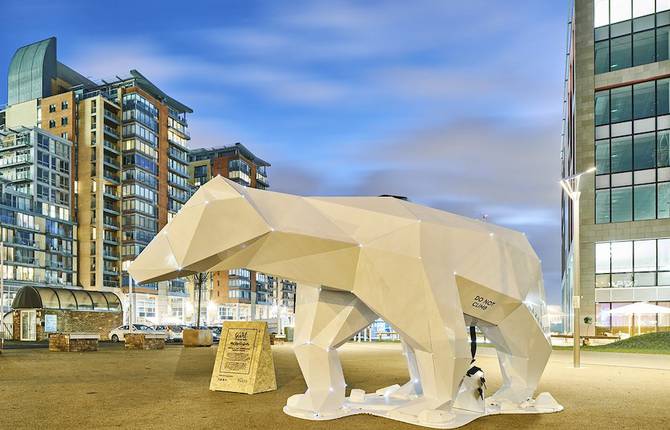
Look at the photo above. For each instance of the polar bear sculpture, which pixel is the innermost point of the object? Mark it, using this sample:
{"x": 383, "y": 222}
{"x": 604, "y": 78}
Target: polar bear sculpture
{"x": 428, "y": 273}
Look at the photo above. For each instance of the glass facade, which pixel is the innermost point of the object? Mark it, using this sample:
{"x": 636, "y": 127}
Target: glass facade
{"x": 630, "y": 33}
{"x": 632, "y": 152}
{"x": 140, "y": 174}
{"x": 35, "y": 211}
{"x": 639, "y": 263}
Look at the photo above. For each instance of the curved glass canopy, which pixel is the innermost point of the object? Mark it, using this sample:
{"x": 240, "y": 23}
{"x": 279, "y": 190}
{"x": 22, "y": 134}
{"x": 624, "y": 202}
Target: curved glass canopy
{"x": 66, "y": 299}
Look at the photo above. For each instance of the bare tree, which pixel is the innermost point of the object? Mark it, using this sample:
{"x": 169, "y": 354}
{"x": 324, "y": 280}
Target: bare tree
{"x": 198, "y": 280}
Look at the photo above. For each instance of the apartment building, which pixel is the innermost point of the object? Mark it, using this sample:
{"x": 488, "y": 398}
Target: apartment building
{"x": 129, "y": 159}
{"x": 36, "y": 218}
{"x": 617, "y": 119}
{"x": 242, "y": 293}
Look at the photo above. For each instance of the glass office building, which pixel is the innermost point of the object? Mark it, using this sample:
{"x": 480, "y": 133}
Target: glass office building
{"x": 617, "y": 119}
{"x": 36, "y": 218}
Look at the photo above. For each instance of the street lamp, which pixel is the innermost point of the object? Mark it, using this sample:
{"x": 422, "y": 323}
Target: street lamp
{"x": 571, "y": 187}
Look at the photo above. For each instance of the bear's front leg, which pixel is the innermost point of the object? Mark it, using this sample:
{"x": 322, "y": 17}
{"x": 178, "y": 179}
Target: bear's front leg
{"x": 325, "y": 319}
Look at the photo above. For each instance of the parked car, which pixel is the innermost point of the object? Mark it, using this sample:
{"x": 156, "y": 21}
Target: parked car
{"x": 117, "y": 335}
{"x": 174, "y": 333}
{"x": 216, "y": 333}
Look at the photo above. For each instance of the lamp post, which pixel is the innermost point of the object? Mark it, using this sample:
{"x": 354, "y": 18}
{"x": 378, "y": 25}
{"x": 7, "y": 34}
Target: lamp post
{"x": 571, "y": 187}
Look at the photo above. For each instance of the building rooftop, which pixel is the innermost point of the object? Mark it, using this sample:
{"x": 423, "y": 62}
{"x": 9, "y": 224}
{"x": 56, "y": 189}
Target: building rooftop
{"x": 224, "y": 151}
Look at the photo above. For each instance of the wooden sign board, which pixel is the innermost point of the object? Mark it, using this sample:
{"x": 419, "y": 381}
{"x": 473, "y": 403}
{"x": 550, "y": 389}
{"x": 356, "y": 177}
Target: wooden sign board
{"x": 244, "y": 361}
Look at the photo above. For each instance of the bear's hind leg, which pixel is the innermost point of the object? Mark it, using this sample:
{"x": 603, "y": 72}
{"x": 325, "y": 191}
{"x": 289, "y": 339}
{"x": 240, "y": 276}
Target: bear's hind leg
{"x": 523, "y": 351}
{"x": 325, "y": 319}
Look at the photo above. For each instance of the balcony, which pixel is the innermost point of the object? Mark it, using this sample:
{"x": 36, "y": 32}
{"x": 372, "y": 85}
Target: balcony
{"x": 15, "y": 142}
{"x": 111, "y": 116}
{"x": 112, "y": 177}
{"x": 16, "y": 159}
{"x": 27, "y": 261}
{"x": 111, "y": 146}
{"x": 111, "y": 162}
{"x": 111, "y": 132}
{"x": 262, "y": 179}
{"x": 110, "y": 255}
{"x": 17, "y": 176}
{"x": 111, "y": 208}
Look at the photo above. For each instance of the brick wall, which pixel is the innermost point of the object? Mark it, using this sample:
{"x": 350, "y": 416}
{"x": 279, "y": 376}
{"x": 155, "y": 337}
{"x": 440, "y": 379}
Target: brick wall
{"x": 73, "y": 322}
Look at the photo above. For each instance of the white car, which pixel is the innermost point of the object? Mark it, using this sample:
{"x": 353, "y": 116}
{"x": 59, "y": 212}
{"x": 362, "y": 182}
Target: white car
{"x": 117, "y": 334}
{"x": 174, "y": 333}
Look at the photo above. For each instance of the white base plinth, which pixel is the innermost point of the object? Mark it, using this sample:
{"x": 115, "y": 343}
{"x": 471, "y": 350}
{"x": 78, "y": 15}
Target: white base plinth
{"x": 385, "y": 406}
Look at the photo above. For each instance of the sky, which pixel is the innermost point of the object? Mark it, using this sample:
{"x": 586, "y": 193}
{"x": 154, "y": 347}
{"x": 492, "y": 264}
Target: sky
{"x": 456, "y": 105}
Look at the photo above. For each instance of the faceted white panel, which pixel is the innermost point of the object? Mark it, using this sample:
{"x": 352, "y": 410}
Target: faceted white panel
{"x": 622, "y": 129}
{"x": 662, "y": 5}
{"x": 644, "y": 125}
{"x": 664, "y": 174}
{"x": 622, "y": 179}
{"x": 645, "y": 176}
{"x": 663, "y": 121}
{"x": 620, "y": 10}
{"x": 603, "y": 181}
{"x": 602, "y": 132}
{"x": 601, "y": 13}
{"x": 643, "y": 7}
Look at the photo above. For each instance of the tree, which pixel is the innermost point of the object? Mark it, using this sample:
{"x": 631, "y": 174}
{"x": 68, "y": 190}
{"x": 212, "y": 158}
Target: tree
{"x": 198, "y": 280}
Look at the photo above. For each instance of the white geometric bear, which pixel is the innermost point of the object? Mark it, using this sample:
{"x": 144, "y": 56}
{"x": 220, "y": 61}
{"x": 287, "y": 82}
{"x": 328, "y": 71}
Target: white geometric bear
{"x": 428, "y": 273}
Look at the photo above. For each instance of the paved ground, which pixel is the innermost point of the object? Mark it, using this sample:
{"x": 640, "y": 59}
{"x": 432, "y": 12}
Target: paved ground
{"x": 114, "y": 388}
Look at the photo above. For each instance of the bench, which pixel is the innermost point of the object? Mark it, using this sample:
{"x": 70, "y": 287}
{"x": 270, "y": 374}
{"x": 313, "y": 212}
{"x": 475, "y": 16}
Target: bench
{"x": 144, "y": 341}
{"x": 73, "y": 342}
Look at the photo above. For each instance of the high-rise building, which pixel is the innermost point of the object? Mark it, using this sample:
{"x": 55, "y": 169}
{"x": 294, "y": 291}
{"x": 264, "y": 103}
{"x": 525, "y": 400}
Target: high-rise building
{"x": 130, "y": 159}
{"x": 36, "y": 218}
{"x": 241, "y": 293}
{"x": 617, "y": 118}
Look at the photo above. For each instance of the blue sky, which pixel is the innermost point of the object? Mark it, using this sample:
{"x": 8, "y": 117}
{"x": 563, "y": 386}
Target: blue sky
{"x": 454, "y": 104}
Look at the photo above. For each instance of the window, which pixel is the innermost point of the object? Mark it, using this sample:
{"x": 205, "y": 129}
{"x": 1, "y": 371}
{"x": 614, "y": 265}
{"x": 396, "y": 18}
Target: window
{"x": 630, "y": 33}
{"x": 662, "y": 96}
{"x": 620, "y": 56}
{"x": 662, "y": 45}
{"x": 64, "y": 105}
{"x": 645, "y": 202}
{"x": 602, "y": 103}
{"x": 602, "y": 61}
{"x": 645, "y": 151}
{"x": 52, "y": 123}
{"x": 622, "y": 204}
{"x": 632, "y": 152}
{"x": 644, "y": 99}
{"x": 602, "y": 206}
{"x": 622, "y": 156}
{"x": 52, "y": 108}
{"x": 63, "y": 120}
{"x": 664, "y": 200}
{"x": 621, "y": 104}
{"x": 622, "y": 256}
{"x": 643, "y": 47}
{"x": 645, "y": 255}
{"x": 639, "y": 263}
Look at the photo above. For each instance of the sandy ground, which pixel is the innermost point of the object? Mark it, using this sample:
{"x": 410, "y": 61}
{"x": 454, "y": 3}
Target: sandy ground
{"x": 168, "y": 389}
